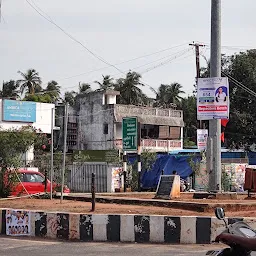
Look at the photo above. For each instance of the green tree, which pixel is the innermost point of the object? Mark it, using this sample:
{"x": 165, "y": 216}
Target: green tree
{"x": 241, "y": 130}
{"x": 84, "y": 88}
{"x": 188, "y": 105}
{"x": 31, "y": 81}
{"x": 70, "y": 97}
{"x": 43, "y": 98}
{"x": 14, "y": 143}
{"x": 10, "y": 90}
{"x": 53, "y": 90}
{"x": 147, "y": 161}
{"x": 130, "y": 93}
{"x": 166, "y": 95}
{"x": 106, "y": 84}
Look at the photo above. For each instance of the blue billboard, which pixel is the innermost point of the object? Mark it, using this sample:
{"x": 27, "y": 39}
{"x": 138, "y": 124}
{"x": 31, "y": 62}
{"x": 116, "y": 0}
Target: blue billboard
{"x": 19, "y": 111}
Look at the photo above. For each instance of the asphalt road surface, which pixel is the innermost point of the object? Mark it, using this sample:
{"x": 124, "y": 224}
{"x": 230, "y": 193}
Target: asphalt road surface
{"x": 32, "y": 247}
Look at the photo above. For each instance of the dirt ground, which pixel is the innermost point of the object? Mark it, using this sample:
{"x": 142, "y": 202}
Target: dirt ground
{"x": 186, "y": 197}
{"x": 84, "y": 208}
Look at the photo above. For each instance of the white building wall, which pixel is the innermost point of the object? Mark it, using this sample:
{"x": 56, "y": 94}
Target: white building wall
{"x": 43, "y": 118}
{"x": 111, "y": 99}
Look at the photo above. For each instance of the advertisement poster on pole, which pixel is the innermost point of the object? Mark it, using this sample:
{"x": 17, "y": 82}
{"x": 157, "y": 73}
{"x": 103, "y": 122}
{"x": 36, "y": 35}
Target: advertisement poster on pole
{"x": 18, "y": 223}
{"x": 202, "y": 135}
{"x": 213, "y": 98}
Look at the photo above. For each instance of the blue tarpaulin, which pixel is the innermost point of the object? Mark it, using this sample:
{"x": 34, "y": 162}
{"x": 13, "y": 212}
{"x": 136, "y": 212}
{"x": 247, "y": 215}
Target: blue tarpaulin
{"x": 167, "y": 163}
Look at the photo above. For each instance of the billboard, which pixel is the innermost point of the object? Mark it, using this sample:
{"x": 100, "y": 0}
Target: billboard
{"x": 19, "y": 111}
{"x": 202, "y": 135}
{"x": 212, "y": 98}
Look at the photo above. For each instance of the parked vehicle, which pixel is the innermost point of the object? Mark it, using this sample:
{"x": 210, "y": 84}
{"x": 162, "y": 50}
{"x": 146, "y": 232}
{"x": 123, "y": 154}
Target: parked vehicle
{"x": 33, "y": 182}
{"x": 239, "y": 236}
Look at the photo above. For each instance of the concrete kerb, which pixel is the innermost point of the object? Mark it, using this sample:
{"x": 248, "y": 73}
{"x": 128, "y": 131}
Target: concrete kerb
{"x": 124, "y": 227}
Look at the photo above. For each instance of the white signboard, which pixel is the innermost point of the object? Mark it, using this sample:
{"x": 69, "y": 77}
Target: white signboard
{"x": 212, "y": 98}
{"x": 202, "y": 135}
{"x": 18, "y": 223}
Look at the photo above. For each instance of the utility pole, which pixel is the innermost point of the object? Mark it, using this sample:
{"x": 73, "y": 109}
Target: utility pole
{"x": 139, "y": 166}
{"x": 197, "y": 46}
{"x": 124, "y": 168}
{"x": 214, "y": 150}
{"x": 53, "y": 117}
{"x": 139, "y": 155}
{"x": 64, "y": 151}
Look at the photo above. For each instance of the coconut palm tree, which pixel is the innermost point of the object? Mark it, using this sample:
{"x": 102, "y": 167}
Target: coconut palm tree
{"x": 130, "y": 93}
{"x": 169, "y": 94}
{"x": 69, "y": 97}
{"x": 10, "y": 90}
{"x": 30, "y": 81}
{"x": 53, "y": 90}
{"x": 106, "y": 84}
{"x": 84, "y": 88}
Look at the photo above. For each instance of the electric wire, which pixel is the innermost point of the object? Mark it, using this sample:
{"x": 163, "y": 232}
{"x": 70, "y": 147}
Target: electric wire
{"x": 73, "y": 38}
{"x": 77, "y": 41}
{"x": 239, "y": 84}
{"x": 175, "y": 56}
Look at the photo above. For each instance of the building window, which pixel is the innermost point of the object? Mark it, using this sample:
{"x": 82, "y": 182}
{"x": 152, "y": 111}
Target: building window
{"x": 175, "y": 133}
{"x": 105, "y": 129}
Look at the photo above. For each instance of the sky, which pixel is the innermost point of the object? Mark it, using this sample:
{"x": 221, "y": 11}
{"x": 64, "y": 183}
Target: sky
{"x": 117, "y": 31}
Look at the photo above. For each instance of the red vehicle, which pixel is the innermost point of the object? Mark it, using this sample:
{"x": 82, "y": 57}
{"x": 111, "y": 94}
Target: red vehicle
{"x": 33, "y": 182}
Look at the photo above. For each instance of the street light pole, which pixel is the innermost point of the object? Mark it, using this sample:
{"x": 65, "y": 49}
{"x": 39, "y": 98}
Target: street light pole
{"x": 214, "y": 151}
{"x": 64, "y": 151}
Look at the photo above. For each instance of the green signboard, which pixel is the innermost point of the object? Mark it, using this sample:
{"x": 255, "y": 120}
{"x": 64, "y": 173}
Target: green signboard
{"x": 130, "y": 133}
{"x": 109, "y": 156}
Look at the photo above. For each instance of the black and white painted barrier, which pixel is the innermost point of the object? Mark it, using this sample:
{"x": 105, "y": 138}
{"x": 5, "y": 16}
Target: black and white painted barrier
{"x": 123, "y": 228}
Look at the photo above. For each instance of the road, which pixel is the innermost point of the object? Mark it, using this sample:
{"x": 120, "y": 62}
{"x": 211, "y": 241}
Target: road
{"x": 32, "y": 247}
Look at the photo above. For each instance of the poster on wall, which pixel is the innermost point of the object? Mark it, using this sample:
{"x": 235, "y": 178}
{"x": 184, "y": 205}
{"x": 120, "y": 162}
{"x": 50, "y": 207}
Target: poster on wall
{"x": 202, "y": 135}
{"x": 236, "y": 173}
{"x": 18, "y": 223}
{"x": 213, "y": 98}
{"x": 116, "y": 179}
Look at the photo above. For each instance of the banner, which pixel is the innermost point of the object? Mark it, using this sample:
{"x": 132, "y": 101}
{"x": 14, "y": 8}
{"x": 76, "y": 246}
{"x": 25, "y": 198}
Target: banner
{"x": 212, "y": 98}
{"x": 202, "y": 135}
{"x": 18, "y": 223}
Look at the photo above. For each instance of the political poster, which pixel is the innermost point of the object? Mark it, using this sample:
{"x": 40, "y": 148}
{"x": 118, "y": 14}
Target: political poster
{"x": 202, "y": 135}
{"x": 213, "y": 98}
{"x": 116, "y": 179}
{"x": 18, "y": 223}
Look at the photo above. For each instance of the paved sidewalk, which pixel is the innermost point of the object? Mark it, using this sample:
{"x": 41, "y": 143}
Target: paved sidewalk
{"x": 32, "y": 247}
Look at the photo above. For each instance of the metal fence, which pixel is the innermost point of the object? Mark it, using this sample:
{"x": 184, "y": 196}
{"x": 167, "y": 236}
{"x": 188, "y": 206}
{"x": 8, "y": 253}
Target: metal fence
{"x": 80, "y": 176}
